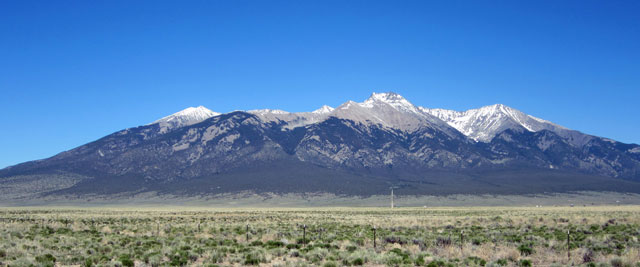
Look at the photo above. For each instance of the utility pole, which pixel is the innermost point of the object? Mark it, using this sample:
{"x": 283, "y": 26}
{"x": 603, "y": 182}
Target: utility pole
{"x": 392, "y": 197}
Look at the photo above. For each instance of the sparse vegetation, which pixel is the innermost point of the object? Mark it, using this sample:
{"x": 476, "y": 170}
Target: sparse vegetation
{"x": 606, "y": 236}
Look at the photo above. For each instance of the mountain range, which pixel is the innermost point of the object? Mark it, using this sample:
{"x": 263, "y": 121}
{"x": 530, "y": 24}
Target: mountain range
{"x": 356, "y": 149}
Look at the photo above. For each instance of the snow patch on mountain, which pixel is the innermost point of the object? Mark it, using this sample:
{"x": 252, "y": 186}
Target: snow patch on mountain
{"x": 443, "y": 114}
{"x": 323, "y": 110}
{"x": 267, "y": 111}
{"x": 185, "y": 117}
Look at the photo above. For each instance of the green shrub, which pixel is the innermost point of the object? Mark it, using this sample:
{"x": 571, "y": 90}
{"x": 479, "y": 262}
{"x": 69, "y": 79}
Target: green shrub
{"x": 273, "y": 244}
{"x": 436, "y": 263}
{"x": 616, "y": 262}
{"x": 155, "y": 259}
{"x": 254, "y": 257}
{"x": 251, "y": 261}
{"x": 526, "y": 263}
{"x": 392, "y": 259}
{"x": 178, "y": 258}
{"x": 525, "y": 250}
{"x": 476, "y": 261}
{"x": 502, "y": 262}
{"x": 45, "y": 258}
{"x": 316, "y": 255}
{"x": 127, "y": 262}
{"x": 404, "y": 255}
{"x": 419, "y": 260}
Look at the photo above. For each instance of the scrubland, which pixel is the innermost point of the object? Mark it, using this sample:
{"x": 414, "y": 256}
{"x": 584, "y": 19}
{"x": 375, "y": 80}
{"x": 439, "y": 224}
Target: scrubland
{"x": 187, "y": 236}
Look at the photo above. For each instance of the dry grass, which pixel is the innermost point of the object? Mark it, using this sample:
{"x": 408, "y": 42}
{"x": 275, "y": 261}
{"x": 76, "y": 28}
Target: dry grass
{"x": 340, "y": 236}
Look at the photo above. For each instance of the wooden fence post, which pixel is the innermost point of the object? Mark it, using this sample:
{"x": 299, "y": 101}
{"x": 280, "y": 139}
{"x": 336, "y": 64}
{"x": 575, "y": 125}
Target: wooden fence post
{"x": 461, "y": 239}
{"x": 304, "y": 234}
{"x": 374, "y": 237}
{"x": 568, "y": 245}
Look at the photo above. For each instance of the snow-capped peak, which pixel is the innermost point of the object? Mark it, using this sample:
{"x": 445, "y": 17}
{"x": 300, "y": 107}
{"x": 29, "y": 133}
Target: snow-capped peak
{"x": 185, "y": 117}
{"x": 323, "y": 110}
{"x": 390, "y": 110}
{"x": 386, "y": 97}
{"x": 529, "y": 122}
{"x": 392, "y": 99}
{"x": 482, "y": 124}
{"x": 189, "y": 115}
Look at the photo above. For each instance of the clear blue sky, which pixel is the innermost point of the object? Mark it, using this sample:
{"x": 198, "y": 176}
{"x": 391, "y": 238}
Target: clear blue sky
{"x": 74, "y": 71}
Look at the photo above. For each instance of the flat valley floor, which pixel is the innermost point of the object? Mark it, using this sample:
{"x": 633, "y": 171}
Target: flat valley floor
{"x": 442, "y": 236}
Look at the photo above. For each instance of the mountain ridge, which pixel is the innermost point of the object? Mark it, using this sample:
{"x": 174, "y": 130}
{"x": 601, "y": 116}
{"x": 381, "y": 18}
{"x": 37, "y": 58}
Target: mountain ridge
{"x": 456, "y": 119}
{"x": 358, "y": 148}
